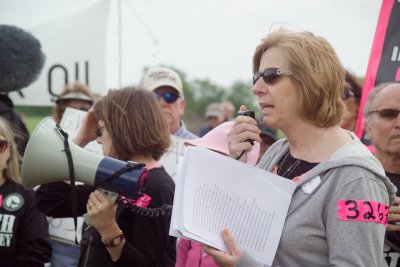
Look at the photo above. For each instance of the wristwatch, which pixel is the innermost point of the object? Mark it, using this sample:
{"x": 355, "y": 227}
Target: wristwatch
{"x": 113, "y": 242}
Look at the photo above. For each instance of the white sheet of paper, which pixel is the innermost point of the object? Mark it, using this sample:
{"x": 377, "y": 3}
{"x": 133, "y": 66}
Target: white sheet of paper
{"x": 177, "y": 205}
{"x": 214, "y": 192}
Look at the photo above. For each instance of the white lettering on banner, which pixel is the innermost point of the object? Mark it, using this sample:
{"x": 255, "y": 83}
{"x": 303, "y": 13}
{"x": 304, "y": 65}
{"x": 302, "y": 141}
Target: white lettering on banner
{"x": 7, "y": 223}
{"x": 5, "y": 239}
{"x": 390, "y": 257}
{"x": 394, "y": 258}
{"x": 395, "y": 54}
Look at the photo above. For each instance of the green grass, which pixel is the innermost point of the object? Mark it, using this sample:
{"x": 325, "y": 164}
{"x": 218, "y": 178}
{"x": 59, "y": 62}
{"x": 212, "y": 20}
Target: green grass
{"x": 33, "y": 115}
{"x": 32, "y": 121}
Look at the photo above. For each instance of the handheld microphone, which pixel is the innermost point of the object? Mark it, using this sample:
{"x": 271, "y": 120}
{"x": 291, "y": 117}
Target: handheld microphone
{"x": 249, "y": 113}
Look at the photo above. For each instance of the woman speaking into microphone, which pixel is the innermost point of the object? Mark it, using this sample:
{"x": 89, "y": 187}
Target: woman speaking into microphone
{"x": 338, "y": 212}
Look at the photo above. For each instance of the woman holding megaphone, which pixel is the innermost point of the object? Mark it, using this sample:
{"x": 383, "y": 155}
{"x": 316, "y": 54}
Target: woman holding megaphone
{"x": 129, "y": 124}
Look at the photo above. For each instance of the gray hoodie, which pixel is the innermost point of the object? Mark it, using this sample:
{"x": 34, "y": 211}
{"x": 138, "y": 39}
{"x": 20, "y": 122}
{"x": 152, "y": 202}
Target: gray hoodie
{"x": 313, "y": 235}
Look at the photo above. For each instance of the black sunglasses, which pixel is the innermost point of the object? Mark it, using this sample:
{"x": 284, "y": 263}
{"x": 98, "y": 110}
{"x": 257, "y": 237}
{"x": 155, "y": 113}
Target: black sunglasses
{"x": 387, "y": 113}
{"x": 270, "y": 75}
{"x": 98, "y": 131}
{"x": 4, "y": 145}
{"x": 168, "y": 97}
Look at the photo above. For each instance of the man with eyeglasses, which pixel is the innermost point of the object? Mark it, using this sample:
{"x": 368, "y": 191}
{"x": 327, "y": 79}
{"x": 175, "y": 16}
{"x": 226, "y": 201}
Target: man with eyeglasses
{"x": 382, "y": 124}
{"x": 167, "y": 86}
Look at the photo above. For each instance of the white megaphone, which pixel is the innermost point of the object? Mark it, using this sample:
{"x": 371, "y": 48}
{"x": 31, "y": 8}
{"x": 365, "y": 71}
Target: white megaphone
{"x": 45, "y": 161}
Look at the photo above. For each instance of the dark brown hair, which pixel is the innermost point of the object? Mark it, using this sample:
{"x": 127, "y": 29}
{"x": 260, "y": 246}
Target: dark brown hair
{"x": 136, "y": 124}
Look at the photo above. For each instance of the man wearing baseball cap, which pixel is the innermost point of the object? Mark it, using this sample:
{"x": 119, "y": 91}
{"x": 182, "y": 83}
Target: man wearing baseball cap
{"x": 167, "y": 86}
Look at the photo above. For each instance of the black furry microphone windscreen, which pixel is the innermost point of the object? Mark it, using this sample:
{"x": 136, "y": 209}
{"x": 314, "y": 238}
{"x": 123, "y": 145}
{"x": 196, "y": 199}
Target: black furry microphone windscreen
{"x": 21, "y": 58}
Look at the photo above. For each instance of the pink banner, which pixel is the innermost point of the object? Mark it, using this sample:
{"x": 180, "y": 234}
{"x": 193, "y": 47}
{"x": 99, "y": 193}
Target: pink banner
{"x": 383, "y": 64}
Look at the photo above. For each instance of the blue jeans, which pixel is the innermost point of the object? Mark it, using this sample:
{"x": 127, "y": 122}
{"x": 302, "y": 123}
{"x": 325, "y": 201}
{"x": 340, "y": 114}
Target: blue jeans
{"x": 64, "y": 255}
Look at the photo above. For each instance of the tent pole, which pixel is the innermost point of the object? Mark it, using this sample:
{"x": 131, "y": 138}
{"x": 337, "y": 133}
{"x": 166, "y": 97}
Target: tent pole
{"x": 119, "y": 44}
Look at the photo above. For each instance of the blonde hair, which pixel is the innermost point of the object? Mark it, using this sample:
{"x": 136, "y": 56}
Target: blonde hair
{"x": 317, "y": 72}
{"x": 12, "y": 172}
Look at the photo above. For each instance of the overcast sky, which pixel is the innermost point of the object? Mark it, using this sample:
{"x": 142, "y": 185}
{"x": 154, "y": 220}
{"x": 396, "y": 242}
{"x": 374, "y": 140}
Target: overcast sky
{"x": 216, "y": 39}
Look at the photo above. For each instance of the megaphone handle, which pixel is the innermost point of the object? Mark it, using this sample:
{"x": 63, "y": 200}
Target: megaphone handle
{"x": 112, "y": 196}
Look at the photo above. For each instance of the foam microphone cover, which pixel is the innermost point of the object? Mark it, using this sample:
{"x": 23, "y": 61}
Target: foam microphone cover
{"x": 21, "y": 58}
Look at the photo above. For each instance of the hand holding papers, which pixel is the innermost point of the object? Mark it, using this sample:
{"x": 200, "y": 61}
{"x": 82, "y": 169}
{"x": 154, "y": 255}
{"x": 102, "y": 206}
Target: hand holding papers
{"x": 214, "y": 192}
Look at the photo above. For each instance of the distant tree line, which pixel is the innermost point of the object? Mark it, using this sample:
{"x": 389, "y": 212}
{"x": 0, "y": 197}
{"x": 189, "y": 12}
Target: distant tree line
{"x": 200, "y": 92}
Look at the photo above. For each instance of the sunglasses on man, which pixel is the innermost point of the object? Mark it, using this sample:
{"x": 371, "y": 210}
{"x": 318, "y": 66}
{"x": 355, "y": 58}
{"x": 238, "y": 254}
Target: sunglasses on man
{"x": 270, "y": 75}
{"x": 387, "y": 113}
{"x": 168, "y": 97}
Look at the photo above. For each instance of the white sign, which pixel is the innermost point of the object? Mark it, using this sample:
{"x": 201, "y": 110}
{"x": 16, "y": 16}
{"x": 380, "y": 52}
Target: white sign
{"x": 71, "y": 122}
{"x": 75, "y": 50}
{"x": 171, "y": 158}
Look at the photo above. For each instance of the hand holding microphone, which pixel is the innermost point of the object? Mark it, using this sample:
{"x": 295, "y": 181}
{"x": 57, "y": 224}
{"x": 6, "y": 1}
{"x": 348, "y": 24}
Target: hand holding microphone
{"x": 250, "y": 114}
{"x": 243, "y": 134}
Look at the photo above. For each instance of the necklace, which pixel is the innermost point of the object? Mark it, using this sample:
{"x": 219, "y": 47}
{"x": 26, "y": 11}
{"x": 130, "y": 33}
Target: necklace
{"x": 290, "y": 169}
{"x": 294, "y": 165}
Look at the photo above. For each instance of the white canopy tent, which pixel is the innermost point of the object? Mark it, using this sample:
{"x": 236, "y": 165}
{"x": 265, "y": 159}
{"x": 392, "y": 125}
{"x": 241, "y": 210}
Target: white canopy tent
{"x": 83, "y": 44}
{"x": 206, "y": 39}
